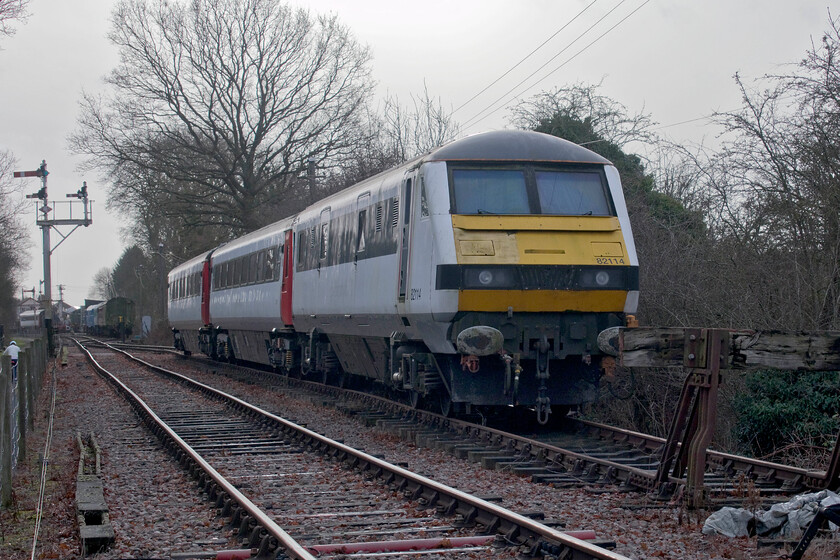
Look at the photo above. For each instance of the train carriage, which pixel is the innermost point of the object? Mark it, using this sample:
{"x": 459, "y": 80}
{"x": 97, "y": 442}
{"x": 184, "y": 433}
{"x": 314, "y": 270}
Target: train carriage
{"x": 118, "y": 317}
{"x": 90, "y": 317}
{"x": 246, "y": 286}
{"x": 478, "y": 275}
{"x": 184, "y": 296}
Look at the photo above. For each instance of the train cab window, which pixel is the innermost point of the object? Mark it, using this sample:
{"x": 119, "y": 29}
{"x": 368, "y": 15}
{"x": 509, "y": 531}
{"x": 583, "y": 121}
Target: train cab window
{"x": 572, "y": 193}
{"x": 490, "y": 191}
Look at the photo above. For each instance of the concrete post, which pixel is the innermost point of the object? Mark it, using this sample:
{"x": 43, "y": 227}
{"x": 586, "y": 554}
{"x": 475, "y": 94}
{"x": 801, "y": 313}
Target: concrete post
{"x": 5, "y": 432}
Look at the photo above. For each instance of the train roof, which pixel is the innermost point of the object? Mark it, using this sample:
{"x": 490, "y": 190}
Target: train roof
{"x": 515, "y": 145}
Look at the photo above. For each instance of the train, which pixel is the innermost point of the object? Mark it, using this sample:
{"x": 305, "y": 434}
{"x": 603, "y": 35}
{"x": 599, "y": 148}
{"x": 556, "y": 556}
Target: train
{"x": 112, "y": 318}
{"x": 471, "y": 279}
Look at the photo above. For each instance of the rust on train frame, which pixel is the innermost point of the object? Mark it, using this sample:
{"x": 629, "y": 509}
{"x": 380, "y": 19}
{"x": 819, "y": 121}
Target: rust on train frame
{"x": 704, "y": 354}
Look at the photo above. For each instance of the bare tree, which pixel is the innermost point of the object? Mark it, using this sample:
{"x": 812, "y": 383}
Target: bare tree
{"x": 776, "y": 191}
{"x": 10, "y": 12}
{"x": 406, "y": 133}
{"x": 603, "y": 118}
{"x": 102, "y": 286}
{"x": 227, "y": 101}
{"x": 395, "y": 133}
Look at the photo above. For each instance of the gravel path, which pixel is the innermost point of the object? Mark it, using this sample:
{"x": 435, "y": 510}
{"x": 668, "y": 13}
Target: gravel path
{"x": 156, "y": 511}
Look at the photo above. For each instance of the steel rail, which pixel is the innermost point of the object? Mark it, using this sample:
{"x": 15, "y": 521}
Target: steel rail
{"x": 430, "y": 492}
{"x": 791, "y": 478}
{"x": 761, "y": 469}
{"x": 291, "y": 546}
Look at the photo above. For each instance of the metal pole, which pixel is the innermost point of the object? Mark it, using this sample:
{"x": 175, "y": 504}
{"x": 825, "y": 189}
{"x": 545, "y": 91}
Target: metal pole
{"x": 162, "y": 293}
{"x": 48, "y": 318}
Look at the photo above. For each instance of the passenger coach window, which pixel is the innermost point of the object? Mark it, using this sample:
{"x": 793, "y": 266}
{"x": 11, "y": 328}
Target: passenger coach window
{"x": 325, "y": 237}
{"x": 570, "y": 193}
{"x": 252, "y": 268}
{"x": 360, "y": 232}
{"x": 270, "y": 259}
{"x": 490, "y": 191}
{"x": 261, "y": 266}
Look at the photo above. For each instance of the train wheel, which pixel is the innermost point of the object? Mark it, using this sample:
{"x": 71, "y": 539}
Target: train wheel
{"x": 445, "y": 402}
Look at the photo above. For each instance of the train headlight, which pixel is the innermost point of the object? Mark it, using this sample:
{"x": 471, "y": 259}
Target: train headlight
{"x": 496, "y": 278}
{"x": 602, "y": 278}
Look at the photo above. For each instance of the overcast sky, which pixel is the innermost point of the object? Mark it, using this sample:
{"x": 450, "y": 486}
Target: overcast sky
{"x": 673, "y": 59}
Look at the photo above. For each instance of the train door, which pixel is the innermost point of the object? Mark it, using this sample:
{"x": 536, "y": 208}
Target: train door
{"x": 405, "y": 239}
{"x": 421, "y": 273}
{"x": 286, "y": 285}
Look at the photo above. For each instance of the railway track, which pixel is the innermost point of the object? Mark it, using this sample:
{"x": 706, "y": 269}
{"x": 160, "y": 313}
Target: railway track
{"x": 259, "y": 468}
{"x": 584, "y": 453}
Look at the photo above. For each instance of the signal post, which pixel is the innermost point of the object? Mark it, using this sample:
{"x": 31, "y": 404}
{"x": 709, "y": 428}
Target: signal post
{"x": 84, "y": 217}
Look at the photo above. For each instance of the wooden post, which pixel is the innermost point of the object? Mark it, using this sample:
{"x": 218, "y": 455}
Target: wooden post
{"x": 708, "y": 381}
{"x": 5, "y": 432}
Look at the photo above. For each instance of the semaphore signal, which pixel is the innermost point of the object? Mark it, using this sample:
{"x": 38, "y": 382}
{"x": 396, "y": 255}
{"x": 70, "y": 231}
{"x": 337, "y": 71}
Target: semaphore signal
{"x": 42, "y": 219}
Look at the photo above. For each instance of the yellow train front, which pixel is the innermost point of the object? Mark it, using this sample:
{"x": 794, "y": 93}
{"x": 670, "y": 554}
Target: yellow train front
{"x": 524, "y": 244}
